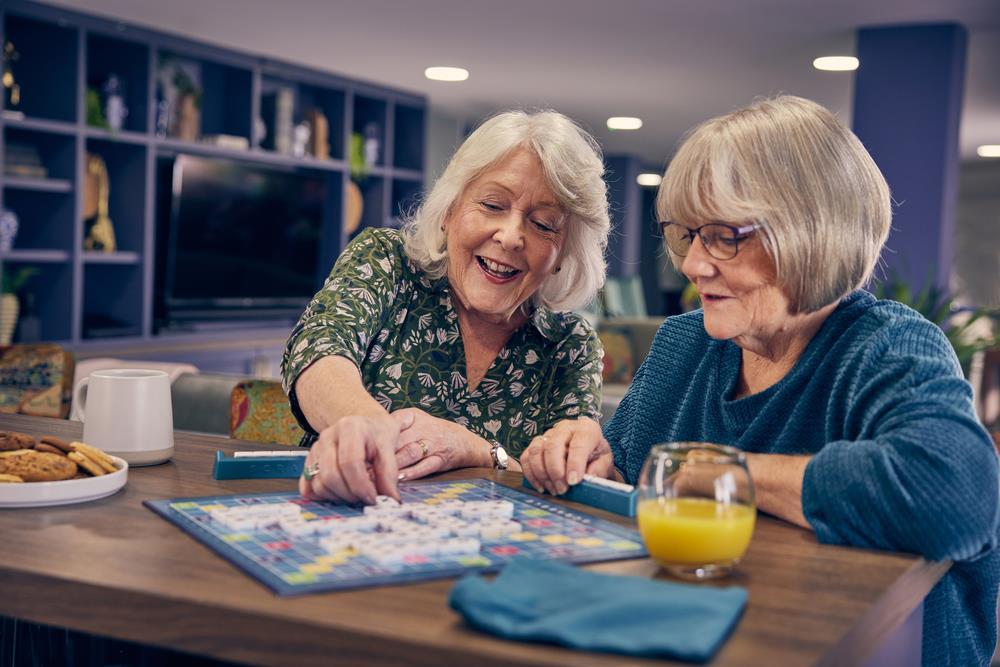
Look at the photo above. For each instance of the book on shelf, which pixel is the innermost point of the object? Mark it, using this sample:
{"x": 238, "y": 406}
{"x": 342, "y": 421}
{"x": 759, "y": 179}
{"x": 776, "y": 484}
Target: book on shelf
{"x": 227, "y": 141}
{"x": 23, "y": 160}
{"x": 25, "y": 171}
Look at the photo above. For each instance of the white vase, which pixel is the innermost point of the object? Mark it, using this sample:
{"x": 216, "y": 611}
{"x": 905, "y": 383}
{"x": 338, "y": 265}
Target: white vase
{"x": 9, "y": 307}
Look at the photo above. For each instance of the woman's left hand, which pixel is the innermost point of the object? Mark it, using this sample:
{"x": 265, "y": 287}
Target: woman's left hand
{"x": 431, "y": 445}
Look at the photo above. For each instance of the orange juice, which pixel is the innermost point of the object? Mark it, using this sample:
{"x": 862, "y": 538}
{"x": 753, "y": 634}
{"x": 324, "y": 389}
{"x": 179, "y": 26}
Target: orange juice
{"x": 695, "y": 531}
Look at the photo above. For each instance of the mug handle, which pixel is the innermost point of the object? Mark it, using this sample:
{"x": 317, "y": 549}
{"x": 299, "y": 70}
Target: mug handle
{"x": 78, "y": 397}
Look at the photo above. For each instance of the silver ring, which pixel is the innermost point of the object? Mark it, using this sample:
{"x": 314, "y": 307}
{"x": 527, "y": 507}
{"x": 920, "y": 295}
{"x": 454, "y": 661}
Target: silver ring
{"x": 424, "y": 448}
{"x": 310, "y": 471}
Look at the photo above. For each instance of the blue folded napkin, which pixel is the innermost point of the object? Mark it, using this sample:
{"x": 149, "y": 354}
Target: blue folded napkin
{"x": 550, "y": 601}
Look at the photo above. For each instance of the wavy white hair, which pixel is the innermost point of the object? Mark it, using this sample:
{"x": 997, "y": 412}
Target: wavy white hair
{"x": 574, "y": 169}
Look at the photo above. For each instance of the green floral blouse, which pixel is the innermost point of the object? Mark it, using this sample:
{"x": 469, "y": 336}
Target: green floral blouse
{"x": 384, "y": 314}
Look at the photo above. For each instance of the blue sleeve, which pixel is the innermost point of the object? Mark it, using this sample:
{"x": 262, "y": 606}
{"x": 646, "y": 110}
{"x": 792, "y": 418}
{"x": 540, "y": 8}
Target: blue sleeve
{"x": 923, "y": 476}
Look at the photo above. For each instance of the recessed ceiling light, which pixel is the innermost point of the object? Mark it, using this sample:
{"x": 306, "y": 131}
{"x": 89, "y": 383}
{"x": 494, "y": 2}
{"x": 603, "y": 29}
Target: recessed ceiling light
{"x": 446, "y": 73}
{"x": 649, "y": 180}
{"x": 624, "y": 123}
{"x": 836, "y": 63}
{"x": 988, "y": 150}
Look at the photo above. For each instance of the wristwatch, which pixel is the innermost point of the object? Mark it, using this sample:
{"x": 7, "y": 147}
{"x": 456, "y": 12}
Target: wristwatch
{"x": 499, "y": 456}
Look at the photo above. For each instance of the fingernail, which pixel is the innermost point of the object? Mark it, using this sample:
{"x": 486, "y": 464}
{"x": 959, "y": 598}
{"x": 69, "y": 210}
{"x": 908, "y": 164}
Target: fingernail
{"x": 401, "y": 477}
{"x": 573, "y": 478}
{"x": 561, "y": 488}
{"x": 539, "y": 488}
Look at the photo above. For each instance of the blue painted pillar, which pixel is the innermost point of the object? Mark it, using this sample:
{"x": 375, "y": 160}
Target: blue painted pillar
{"x": 625, "y": 199}
{"x": 907, "y": 105}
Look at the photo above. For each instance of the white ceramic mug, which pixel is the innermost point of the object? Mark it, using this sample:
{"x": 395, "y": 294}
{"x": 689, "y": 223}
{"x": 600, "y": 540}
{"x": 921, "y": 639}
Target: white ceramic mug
{"x": 127, "y": 412}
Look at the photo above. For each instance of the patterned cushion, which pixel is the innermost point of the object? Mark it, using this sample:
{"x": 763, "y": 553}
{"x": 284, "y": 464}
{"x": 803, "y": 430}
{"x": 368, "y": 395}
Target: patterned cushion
{"x": 36, "y": 379}
{"x": 618, "y": 363}
{"x": 259, "y": 411}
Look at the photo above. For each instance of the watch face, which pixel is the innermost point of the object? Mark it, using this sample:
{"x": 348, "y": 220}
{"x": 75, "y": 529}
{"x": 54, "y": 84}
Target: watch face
{"x": 500, "y": 457}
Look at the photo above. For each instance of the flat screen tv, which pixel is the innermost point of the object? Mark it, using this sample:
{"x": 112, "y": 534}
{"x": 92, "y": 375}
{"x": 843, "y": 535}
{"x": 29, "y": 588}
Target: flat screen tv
{"x": 241, "y": 240}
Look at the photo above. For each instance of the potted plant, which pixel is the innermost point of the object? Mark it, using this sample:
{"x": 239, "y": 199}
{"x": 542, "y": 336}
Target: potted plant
{"x": 13, "y": 282}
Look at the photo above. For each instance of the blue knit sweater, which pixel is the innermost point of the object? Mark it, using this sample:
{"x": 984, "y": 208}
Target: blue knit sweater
{"x": 899, "y": 459}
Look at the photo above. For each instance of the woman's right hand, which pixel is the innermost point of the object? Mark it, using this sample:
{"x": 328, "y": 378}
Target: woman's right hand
{"x": 559, "y": 458}
{"x": 356, "y": 459}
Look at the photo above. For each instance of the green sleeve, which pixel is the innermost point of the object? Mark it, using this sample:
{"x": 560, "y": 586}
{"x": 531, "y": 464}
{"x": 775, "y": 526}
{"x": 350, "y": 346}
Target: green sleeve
{"x": 347, "y": 313}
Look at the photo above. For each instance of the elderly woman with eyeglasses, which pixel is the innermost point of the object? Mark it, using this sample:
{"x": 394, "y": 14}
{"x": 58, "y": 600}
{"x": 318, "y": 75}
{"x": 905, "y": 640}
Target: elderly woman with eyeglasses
{"x": 450, "y": 343}
{"x": 853, "y": 411}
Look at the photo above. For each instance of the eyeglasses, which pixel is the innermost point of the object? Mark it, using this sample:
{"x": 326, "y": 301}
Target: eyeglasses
{"x": 720, "y": 240}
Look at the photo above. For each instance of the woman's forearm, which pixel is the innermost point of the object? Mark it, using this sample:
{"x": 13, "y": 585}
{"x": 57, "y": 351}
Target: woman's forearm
{"x": 777, "y": 482}
{"x": 331, "y": 388}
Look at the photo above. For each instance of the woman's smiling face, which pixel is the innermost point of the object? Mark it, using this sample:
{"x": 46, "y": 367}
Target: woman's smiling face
{"x": 505, "y": 235}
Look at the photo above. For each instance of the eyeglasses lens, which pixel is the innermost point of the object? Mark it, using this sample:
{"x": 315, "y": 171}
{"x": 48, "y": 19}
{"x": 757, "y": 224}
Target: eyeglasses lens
{"x": 678, "y": 238}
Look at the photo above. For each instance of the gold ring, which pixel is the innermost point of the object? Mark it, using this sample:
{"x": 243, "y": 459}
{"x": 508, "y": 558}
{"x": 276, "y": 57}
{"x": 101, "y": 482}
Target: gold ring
{"x": 310, "y": 471}
{"x": 424, "y": 448}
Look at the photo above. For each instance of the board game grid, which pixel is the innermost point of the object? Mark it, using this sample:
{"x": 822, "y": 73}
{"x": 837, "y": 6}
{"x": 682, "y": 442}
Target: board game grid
{"x": 294, "y": 566}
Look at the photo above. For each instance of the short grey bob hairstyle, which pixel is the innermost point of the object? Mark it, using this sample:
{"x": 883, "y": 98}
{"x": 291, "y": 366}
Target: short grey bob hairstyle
{"x": 788, "y": 164}
{"x": 574, "y": 168}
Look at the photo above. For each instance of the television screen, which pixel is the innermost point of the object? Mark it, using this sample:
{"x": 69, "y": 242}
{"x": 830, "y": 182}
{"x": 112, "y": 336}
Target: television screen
{"x": 241, "y": 236}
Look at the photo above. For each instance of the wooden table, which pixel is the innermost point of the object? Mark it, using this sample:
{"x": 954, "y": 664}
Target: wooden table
{"x": 111, "y": 567}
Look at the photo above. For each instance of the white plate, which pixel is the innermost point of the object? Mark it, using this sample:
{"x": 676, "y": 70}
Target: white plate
{"x": 43, "y": 494}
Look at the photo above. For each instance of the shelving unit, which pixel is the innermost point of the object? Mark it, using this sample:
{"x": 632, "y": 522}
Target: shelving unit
{"x": 88, "y": 299}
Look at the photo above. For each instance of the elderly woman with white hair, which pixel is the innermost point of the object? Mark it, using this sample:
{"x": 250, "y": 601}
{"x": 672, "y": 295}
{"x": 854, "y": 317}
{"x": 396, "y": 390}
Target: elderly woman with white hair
{"x": 447, "y": 344}
{"x": 853, "y": 411}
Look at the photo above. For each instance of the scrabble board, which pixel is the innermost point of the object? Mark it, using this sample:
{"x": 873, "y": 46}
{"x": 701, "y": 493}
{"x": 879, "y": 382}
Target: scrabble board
{"x": 442, "y": 529}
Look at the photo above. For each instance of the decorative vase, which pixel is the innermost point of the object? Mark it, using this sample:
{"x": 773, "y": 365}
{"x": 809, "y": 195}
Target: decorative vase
{"x": 188, "y": 118}
{"x": 355, "y": 207}
{"x": 8, "y": 229}
{"x": 9, "y": 308}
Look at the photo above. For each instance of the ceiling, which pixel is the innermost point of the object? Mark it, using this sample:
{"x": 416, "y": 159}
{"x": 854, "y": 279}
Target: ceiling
{"x": 671, "y": 62}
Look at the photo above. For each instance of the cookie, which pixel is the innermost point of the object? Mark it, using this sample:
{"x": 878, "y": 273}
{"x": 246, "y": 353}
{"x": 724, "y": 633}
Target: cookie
{"x": 34, "y": 466}
{"x": 46, "y": 447}
{"x": 10, "y": 479}
{"x": 96, "y": 455}
{"x": 56, "y": 442}
{"x": 11, "y": 440}
{"x": 87, "y": 464}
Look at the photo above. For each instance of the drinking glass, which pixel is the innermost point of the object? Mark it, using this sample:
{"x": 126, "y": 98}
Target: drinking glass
{"x": 696, "y": 508}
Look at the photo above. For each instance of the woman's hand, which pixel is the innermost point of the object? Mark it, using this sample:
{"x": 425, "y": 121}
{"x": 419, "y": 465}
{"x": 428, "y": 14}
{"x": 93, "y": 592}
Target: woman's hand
{"x": 428, "y": 445}
{"x": 559, "y": 458}
{"x": 356, "y": 460}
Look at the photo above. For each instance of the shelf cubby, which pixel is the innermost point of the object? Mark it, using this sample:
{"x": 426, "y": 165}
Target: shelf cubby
{"x": 112, "y": 300}
{"x": 129, "y": 62}
{"x": 52, "y": 290}
{"x": 408, "y": 137}
{"x": 373, "y": 194}
{"x": 369, "y": 121}
{"x": 57, "y": 153}
{"x": 330, "y": 102}
{"x": 46, "y": 219}
{"x": 226, "y": 95}
{"x": 46, "y": 68}
{"x": 126, "y": 165}
{"x": 273, "y": 91}
{"x": 224, "y": 98}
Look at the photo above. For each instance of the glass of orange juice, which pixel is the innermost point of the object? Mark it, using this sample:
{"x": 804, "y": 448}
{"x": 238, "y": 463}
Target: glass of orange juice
{"x": 696, "y": 508}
